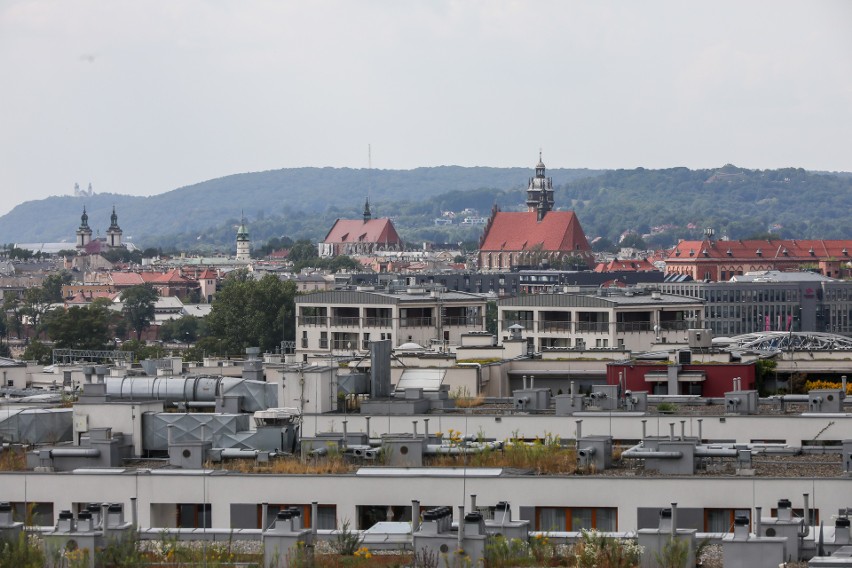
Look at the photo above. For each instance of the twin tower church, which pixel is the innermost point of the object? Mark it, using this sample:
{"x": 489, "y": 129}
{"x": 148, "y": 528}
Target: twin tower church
{"x": 87, "y": 244}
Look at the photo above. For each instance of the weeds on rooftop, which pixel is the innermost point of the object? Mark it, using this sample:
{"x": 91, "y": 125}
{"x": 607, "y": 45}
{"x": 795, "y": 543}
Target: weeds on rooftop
{"x": 13, "y": 459}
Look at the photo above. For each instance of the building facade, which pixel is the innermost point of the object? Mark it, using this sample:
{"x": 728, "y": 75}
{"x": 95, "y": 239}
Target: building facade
{"x": 717, "y": 260}
{"x": 772, "y": 302}
{"x": 345, "y": 321}
{"x": 360, "y": 236}
{"x": 611, "y": 319}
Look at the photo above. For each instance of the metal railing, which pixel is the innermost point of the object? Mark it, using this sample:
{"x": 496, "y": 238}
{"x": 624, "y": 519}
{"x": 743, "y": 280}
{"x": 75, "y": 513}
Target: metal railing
{"x": 416, "y": 322}
{"x": 555, "y": 326}
{"x": 378, "y": 322}
{"x": 633, "y": 326}
{"x": 346, "y": 321}
{"x": 593, "y": 326}
{"x": 313, "y": 320}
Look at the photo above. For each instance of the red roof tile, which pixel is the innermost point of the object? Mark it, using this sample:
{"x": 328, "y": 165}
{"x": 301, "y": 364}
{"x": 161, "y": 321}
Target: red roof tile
{"x": 776, "y": 249}
{"x": 558, "y": 231}
{"x": 360, "y": 231}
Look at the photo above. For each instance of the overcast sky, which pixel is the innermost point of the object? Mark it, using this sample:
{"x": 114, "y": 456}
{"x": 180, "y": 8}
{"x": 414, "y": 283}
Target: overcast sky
{"x": 142, "y": 97}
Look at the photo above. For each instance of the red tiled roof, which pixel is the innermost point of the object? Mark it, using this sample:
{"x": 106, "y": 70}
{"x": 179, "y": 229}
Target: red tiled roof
{"x": 558, "y": 231}
{"x": 774, "y": 249}
{"x": 126, "y": 278}
{"x": 208, "y": 275}
{"x": 360, "y": 231}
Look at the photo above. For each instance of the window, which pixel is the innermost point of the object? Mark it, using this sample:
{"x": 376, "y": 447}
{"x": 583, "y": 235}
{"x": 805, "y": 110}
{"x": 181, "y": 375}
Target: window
{"x": 193, "y": 516}
{"x": 323, "y": 340}
{"x": 561, "y": 519}
{"x": 304, "y": 340}
{"x": 722, "y": 520}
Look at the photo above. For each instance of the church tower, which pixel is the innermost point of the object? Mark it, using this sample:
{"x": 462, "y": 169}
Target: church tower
{"x": 540, "y": 192}
{"x": 243, "y": 242}
{"x": 84, "y": 232}
{"x": 114, "y": 231}
{"x": 367, "y": 214}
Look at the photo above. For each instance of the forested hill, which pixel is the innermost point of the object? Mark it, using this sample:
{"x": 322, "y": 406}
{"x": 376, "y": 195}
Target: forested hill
{"x": 789, "y": 203}
{"x": 300, "y": 197}
{"x": 304, "y": 202}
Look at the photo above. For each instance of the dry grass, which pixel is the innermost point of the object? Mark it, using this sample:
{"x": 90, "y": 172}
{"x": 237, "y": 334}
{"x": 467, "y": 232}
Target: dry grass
{"x": 13, "y": 459}
{"x": 469, "y": 401}
{"x": 288, "y": 466}
{"x": 543, "y": 457}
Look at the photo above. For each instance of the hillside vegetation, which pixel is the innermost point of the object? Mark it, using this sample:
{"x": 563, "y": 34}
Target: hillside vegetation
{"x": 304, "y": 202}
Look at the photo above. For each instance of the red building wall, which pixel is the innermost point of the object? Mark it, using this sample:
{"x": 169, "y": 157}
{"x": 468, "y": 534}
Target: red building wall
{"x": 719, "y": 376}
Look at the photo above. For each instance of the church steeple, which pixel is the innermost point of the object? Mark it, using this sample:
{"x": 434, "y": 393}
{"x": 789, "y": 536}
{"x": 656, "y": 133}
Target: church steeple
{"x": 114, "y": 231}
{"x": 367, "y": 214}
{"x": 84, "y": 233}
{"x": 540, "y": 191}
{"x": 243, "y": 241}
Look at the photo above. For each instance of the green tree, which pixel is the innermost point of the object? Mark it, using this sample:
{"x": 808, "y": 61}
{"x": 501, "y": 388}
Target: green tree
{"x": 181, "y": 329}
{"x": 79, "y": 327}
{"x": 38, "y": 352}
{"x": 633, "y": 240}
{"x": 491, "y": 317}
{"x": 253, "y": 313}
{"x": 34, "y": 305}
{"x": 139, "y": 307}
{"x": 12, "y": 312}
{"x": 302, "y": 250}
{"x": 52, "y": 286}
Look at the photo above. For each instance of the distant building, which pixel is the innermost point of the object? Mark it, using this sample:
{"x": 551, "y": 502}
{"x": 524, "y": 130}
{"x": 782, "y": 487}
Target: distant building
{"x": 88, "y": 245}
{"x": 537, "y": 236}
{"x": 360, "y": 236}
{"x": 243, "y": 242}
{"x": 711, "y": 260}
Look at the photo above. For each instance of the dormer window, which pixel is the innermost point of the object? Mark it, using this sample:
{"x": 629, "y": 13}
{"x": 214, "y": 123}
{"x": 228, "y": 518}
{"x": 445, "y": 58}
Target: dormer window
{"x": 758, "y": 252}
{"x": 691, "y": 252}
{"x": 705, "y": 253}
{"x": 677, "y": 253}
{"x": 811, "y": 251}
{"x": 785, "y": 252}
{"x": 845, "y": 252}
{"x": 729, "y": 252}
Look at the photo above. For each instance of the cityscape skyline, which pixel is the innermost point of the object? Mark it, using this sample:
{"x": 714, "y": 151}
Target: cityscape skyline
{"x": 140, "y": 99}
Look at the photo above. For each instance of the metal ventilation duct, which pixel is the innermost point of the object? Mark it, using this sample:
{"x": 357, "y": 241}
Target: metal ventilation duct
{"x": 35, "y": 425}
{"x": 256, "y": 395}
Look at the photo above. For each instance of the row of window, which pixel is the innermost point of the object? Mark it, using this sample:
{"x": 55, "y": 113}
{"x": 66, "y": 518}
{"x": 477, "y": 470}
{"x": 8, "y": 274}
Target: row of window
{"x": 550, "y": 519}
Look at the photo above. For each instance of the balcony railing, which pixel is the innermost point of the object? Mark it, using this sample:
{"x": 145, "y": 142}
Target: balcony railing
{"x": 378, "y": 322}
{"x": 633, "y": 326}
{"x": 344, "y": 345}
{"x": 677, "y": 325}
{"x": 345, "y": 321}
{"x": 313, "y": 320}
{"x": 526, "y": 324}
{"x": 555, "y": 326}
{"x": 417, "y": 322}
{"x": 462, "y": 321}
{"x": 593, "y": 326}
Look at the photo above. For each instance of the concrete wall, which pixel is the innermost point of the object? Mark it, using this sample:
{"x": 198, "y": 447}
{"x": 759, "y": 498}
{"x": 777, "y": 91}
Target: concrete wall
{"x": 157, "y": 493}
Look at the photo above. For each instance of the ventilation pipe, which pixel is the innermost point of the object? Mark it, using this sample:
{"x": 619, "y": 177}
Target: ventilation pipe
{"x": 345, "y": 436}
{"x": 414, "y": 424}
{"x": 758, "y": 528}
{"x": 461, "y": 527}
{"x": 314, "y": 518}
{"x": 425, "y": 427}
{"x": 700, "y": 437}
{"x": 843, "y": 386}
{"x": 644, "y": 425}
{"x": 264, "y": 516}
{"x": 134, "y": 513}
{"x": 674, "y": 520}
{"x": 671, "y": 432}
{"x": 806, "y": 525}
{"x": 532, "y": 381}
{"x": 473, "y": 502}
{"x": 579, "y": 431}
{"x": 682, "y": 429}
{"x": 571, "y": 388}
{"x": 524, "y": 377}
